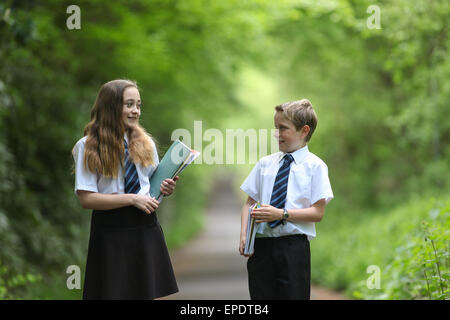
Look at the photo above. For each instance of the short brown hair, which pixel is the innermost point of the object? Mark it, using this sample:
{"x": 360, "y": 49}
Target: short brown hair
{"x": 300, "y": 113}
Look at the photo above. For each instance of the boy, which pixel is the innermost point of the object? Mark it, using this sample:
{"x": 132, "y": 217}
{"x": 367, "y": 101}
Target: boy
{"x": 293, "y": 188}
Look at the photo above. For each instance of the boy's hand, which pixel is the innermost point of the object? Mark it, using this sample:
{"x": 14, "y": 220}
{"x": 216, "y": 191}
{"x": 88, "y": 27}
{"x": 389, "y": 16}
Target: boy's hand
{"x": 168, "y": 185}
{"x": 267, "y": 213}
{"x": 242, "y": 247}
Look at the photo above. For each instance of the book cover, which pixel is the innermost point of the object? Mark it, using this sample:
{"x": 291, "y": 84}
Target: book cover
{"x": 175, "y": 160}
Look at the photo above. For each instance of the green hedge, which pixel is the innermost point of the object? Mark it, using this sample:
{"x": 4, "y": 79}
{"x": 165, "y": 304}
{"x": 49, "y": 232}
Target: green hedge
{"x": 409, "y": 244}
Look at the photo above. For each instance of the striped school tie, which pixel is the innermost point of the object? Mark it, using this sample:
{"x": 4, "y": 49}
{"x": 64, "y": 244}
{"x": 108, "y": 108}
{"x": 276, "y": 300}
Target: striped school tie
{"x": 279, "y": 192}
{"x": 131, "y": 176}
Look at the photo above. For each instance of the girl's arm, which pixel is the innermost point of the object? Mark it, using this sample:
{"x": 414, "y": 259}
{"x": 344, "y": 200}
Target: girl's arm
{"x": 244, "y": 221}
{"x": 101, "y": 201}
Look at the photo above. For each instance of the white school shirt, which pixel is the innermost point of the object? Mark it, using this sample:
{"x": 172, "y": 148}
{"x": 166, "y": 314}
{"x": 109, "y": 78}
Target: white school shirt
{"x": 308, "y": 183}
{"x": 86, "y": 180}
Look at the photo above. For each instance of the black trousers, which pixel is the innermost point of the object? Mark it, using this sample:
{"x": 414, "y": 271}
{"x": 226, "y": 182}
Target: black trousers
{"x": 280, "y": 268}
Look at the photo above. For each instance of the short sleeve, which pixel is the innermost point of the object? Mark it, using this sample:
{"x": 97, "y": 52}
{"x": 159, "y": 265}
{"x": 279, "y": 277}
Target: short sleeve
{"x": 320, "y": 184}
{"x": 251, "y": 185}
{"x": 84, "y": 179}
{"x": 155, "y": 153}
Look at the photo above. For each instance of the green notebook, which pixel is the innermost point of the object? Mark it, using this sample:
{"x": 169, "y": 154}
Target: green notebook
{"x": 174, "y": 161}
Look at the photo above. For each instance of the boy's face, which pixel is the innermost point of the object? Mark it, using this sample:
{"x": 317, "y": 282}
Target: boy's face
{"x": 289, "y": 139}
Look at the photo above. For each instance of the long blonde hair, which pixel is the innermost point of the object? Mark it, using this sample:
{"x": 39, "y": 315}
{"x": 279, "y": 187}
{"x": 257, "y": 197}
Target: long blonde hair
{"x": 104, "y": 148}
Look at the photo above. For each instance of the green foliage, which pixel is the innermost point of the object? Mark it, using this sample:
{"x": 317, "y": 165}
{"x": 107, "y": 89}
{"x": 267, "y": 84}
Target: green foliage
{"x": 380, "y": 95}
{"x": 13, "y": 286}
{"x": 405, "y": 243}
{"x": 421, "y": 265}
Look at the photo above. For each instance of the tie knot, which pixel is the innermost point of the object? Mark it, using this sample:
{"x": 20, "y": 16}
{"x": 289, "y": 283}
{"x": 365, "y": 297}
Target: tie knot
{"x": 288, "y": 158}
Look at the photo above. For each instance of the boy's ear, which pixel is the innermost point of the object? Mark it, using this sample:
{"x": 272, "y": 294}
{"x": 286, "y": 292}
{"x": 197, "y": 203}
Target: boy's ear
{"x": 305, "y": 130}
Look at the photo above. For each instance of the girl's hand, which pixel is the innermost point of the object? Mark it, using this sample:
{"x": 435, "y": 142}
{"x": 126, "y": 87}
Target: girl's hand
{"x": 145, "y": 203}
{"x": 168, "y": 185}
{"x": 267, "y": 213}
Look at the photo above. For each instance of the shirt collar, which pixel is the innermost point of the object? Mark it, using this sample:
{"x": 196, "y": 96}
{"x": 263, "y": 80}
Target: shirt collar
{"x": 298, "y": 155}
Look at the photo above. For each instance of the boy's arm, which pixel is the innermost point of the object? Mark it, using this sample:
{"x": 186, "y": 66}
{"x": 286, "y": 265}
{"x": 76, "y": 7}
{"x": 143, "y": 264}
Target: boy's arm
{"x": 315, "y": 213}
{"x": 312, "y": 214}
{"x": 244, "y": 221}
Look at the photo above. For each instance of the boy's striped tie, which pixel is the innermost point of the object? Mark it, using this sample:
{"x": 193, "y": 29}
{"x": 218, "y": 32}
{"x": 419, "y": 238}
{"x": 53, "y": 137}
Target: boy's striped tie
{"x": 279, "y": 192}
{"x": 131, "y": 176}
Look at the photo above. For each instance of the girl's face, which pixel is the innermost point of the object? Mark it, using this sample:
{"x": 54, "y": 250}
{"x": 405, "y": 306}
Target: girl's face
{"x": 131, "y": 106}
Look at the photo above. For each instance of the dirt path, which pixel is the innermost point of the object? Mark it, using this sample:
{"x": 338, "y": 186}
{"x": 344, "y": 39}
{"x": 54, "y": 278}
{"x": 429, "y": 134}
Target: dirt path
{"x": 209, "y": 267}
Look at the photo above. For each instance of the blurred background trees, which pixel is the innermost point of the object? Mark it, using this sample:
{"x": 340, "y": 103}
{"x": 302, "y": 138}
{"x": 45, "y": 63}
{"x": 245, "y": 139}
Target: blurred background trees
{"x": 381, "y": 96}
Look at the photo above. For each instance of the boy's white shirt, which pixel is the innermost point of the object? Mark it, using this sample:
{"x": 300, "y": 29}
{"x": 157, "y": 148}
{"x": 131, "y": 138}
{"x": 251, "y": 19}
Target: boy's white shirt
{"x": 86, "y": 180}
{"x": 308, "y": 183}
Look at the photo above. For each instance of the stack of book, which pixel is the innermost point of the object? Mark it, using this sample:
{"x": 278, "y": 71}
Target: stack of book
{"x": 251, "y": 230}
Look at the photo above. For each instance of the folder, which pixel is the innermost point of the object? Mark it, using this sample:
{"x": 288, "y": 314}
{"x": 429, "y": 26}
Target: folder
{"x": 175, "y": 160}
{"x": 251, "y": 230}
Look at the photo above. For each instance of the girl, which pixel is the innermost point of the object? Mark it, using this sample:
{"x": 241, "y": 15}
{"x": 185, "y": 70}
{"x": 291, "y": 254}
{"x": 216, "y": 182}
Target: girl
{"x": 127, "y": 256}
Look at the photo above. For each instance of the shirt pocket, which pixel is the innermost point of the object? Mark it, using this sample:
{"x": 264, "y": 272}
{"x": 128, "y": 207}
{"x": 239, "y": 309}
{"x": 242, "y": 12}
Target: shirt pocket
{"x": 301, "y": 186}
{"x": 268, "y": 176}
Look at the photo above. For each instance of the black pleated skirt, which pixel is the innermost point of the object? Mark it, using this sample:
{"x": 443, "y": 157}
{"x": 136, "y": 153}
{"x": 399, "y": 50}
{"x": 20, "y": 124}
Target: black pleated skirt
{"x": 127, "y": 257}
